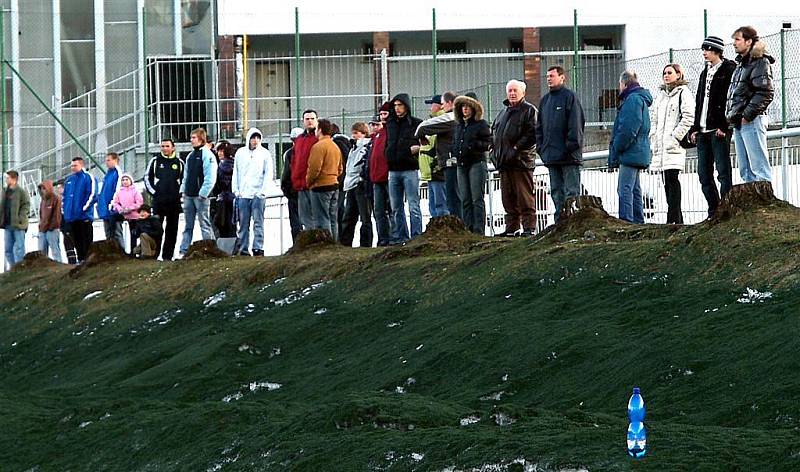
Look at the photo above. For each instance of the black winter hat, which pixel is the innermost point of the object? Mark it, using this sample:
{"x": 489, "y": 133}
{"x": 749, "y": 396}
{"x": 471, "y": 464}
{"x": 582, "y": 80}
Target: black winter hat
{"x": 713, "y": 43}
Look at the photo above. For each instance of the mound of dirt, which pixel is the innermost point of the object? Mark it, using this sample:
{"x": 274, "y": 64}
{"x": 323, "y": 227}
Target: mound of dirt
{"x": 205, "y": 249}
{"x": 312, "y": 239}
{"x": 35, "y": 260}
{"x": 745, "y": 198}
{"x": 445, "y": 226}
{"x": 100, "y": 252}
{"x": 582, "y": 217}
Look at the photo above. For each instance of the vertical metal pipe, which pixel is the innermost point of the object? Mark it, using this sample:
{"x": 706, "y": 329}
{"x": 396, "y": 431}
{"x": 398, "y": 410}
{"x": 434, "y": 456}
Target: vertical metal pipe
{"x": 384, "y": 77}
{"x": 101, "y": 141}
{"x": 576, "y": 59}
{"x": 16, "y": 86}
{"x": 705, "y": 22}
{"x": 58, "y": 135}
{"x": 297, "y": 106}
{"x": 246, "y": 85}
{"x": 177, "y": 27}
{"x": 146, "y": 77}
{"x": 670, "y": 55}
{"x": 435, "y": 49}
{"x": 4, "y": 161}
{"x": 784, "y": 140}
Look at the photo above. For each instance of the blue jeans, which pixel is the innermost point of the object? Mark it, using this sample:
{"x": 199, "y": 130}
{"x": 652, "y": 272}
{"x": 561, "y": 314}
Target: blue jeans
{"x": 305, "y": 211}
{"x": 15, "y": 246}
{"x": 751, "y": 150}
{"x": 50, "y": 243}
{"x": 631, "y": 205}
{"x": 712, "y": 150}
{"x": 248, "y": 208}
{"x": 325, "y": 206}
{"x": 196, "y": 208}
{"x": 565, "y": 182}
{"x": 405, "y": 184}
{"x": 454, "y": 203}
{"x": 383, "y": 213}
{"x": 471, "y": 189}
{"x": 437, "y": 201}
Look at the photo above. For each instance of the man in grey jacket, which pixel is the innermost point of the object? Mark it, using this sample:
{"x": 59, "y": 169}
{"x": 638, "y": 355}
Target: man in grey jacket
{"x": 749, "y": 95}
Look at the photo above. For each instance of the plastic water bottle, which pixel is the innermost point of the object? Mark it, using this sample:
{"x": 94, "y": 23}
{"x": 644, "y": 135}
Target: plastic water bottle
{"x": 637, "y": 433}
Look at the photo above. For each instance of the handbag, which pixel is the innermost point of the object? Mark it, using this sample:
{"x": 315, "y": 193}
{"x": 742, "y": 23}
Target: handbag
{"x": 686, "y": 141}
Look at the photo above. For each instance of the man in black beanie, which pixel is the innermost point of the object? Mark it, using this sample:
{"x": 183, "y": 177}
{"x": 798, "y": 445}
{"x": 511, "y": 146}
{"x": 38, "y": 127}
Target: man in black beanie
{"x": 711, "y": 132}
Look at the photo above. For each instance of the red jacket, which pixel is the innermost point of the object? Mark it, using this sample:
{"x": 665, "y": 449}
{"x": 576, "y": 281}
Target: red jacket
{"x": 378, "y": 165}
{"x": 301, "y": 151}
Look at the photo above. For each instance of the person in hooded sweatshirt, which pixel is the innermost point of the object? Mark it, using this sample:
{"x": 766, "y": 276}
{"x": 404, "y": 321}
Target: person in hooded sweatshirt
{"x": 402, "y": 150}
{"x": 629, "y": 148}
{"x": 127, "y": 202}
{"x": 253, "y": 179}
{"x": 49, "y": 221}
{"x": 199, "y": 176}
{"x": 671, "y": 120}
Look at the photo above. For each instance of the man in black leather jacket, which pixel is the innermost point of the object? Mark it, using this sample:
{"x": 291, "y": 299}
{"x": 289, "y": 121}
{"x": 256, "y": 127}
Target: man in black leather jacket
{"x": 514, "y": 155}
{"x": 749, "y": 95}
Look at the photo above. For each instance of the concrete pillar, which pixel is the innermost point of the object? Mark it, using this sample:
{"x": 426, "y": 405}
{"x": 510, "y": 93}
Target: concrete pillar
{"x": 532, "y": 65}
{"x": 380, "y": 41}
{"x": 226, "y": 82}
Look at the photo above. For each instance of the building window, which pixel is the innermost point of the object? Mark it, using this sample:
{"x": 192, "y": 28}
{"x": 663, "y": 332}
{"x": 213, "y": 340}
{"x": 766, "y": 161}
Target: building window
{"x": 77, "y": 50}
{"x": 452, "y": 47}
{"x": 515, "y": 45}
{"x": 598, "y": 44}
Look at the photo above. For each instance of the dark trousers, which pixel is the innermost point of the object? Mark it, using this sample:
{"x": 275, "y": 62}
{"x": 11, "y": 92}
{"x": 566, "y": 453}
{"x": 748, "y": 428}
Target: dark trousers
{"x": 132, "y": 234}
{"x": 171, "y": 213}
{"x": 517, "y": 192}
{"x": 383, "y": 213}
{"x": 672, "y": 187}
{"x": 294, "y": 217}
{"x": 565, "y": 182}
{"x": 472, "y": 188}
{"x": 82, "y": 235}
{"x": 712, "y": 150}
{"x": 454, "y": 204}
{"x": 357, "y": 205}
{"x": 69, "y": 243}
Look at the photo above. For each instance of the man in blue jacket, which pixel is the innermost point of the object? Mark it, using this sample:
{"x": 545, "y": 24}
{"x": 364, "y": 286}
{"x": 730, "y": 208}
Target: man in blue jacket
{"x": 630, "y": 145}
{"x": 80, "y": 192}
{"x": 111, "y": 183}
{"x": 559, "y": 134}
{"x": 199, "y": 177}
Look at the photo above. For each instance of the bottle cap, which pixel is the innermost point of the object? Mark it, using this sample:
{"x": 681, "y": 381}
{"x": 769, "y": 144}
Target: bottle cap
{"x": 636, "y": 390}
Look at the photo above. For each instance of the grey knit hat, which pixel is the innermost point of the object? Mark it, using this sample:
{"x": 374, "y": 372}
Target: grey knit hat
{"x": 713, "y": 43}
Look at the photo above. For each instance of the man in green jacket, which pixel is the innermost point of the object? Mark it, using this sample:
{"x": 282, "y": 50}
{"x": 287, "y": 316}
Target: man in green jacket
{"x": 15, "y": 204}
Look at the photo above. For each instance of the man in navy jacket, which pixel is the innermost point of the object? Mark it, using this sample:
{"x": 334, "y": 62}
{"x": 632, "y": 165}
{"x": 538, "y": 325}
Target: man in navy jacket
{"x": 111, "y": 183}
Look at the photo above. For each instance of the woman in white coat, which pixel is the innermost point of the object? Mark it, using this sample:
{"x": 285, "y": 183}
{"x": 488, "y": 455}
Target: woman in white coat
{"x": 672, "y": 117}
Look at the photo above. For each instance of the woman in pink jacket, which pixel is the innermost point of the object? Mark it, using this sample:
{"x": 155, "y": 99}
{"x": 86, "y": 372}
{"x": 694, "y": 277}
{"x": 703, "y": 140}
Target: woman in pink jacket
{"x": 127, "y": 202}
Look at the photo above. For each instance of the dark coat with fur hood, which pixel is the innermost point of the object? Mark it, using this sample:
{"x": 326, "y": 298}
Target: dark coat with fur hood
{"x": 751, "y": 89}
{"x": 472, "y": 137}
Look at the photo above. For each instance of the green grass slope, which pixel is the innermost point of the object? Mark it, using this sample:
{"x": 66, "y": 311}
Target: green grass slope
{"x": 451, "y": 353}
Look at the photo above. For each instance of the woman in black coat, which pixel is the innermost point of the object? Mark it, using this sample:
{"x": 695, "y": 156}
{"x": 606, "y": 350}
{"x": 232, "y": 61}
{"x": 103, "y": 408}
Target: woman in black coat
{"x": 471, "y": 140}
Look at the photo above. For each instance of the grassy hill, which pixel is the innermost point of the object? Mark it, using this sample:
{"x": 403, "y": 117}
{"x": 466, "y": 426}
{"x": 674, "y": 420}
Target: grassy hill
{"x": 453, "y": 353}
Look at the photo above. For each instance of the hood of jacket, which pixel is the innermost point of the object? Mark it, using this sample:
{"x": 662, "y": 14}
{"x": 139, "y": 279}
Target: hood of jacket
{"x": 250, "y": 134}
{"x": 636, "y": 89}
{"x": 757, "y": 51}
{"x": 47, "y": 189}
{"x": 674, "y": 86}
{"x": 126, "y": 175}
{"x": 465, "y": 100}
{"x": 406, "y": 100}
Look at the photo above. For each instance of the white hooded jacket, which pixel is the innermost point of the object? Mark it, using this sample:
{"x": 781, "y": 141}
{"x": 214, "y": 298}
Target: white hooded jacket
{"x": 672, "y": 115}
{"x": 253, "y": 171}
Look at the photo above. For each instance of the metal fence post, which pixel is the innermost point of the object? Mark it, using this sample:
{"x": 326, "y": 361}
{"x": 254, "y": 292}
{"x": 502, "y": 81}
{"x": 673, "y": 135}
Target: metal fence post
{"x": 4, "y": 161}
{"x": 705, "y": 23}
{"x": 576, "y": 59}
{"x": 384, "y": 77}
{"x": 297, "y": 64}
{"x": 670, "y": 55}
{"x": 784, "y": 139}
{"x": 435, "y": 49}
{"x": 246, "y": 86}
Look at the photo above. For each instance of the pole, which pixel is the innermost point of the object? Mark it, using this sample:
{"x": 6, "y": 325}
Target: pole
{"x": 488, "y": 100}
{"x": 244, "y": 82}
{"x": 146, "y": 103}
{"x": 576, "y": 60}
{"x": 297, "y": 65}
{"x": 4, "y": 162}
{"x": 784, "y": 140}
{"x": 435, "y": 49}
{"x": 670, "y": 55}
{"x": 705, "y": 22}
{"x": 55, "y": 117}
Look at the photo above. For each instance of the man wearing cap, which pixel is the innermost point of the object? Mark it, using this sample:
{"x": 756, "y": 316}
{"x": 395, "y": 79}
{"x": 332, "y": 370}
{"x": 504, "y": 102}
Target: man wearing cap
{"x": 253, "y": 180}
{"x": 429, "y": 169}
{"x": 711, "y": 131}
{"x": 442, "y": 126}
{"x": 286, "y": 186}
{"x": 749, "y": 95}
{"x": 379, "y": 176}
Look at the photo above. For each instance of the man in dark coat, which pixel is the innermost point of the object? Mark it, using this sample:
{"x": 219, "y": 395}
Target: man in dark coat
{"x": 514, "y": 155}
{"x": 559, "y": 134}
{"x": 402, "y": 150}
